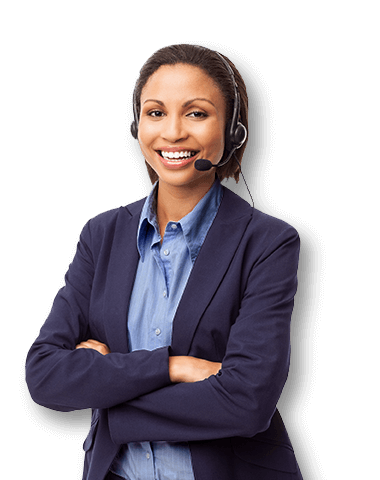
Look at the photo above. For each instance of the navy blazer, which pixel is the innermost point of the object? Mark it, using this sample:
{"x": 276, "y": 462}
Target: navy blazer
{"x": 235, "y": 309}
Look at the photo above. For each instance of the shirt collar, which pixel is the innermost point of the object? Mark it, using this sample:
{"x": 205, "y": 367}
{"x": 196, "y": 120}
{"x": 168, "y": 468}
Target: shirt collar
{"x": 194, "y": 225}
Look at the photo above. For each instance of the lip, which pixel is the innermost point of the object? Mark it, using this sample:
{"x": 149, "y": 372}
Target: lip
{"x": 175, "y": 164}
{"x": 176, "y": 149}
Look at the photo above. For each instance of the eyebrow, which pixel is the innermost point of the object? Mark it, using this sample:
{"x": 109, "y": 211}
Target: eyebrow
{"x": 189, "y": 102}
{"x": 186, "y": 104}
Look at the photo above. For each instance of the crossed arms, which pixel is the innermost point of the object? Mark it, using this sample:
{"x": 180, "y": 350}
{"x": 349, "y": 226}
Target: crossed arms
{"x": 181, "y": 368}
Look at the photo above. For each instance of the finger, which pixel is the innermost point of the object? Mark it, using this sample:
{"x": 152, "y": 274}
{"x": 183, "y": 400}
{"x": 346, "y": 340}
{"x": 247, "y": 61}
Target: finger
{"x": 95, "y": 343}
{"x": 89, "y": 344}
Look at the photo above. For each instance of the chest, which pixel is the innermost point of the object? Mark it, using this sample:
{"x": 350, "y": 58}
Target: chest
{"x": 162, "y": 274}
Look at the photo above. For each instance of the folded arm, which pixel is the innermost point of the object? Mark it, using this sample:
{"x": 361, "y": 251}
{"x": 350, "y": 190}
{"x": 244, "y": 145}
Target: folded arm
{"x": 63, "y": 377}
{"x": 181, "y": 368}
{"x": 241, "y": 398}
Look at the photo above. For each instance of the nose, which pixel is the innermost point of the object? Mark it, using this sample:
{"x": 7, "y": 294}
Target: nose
{"x": 173, "y": 129}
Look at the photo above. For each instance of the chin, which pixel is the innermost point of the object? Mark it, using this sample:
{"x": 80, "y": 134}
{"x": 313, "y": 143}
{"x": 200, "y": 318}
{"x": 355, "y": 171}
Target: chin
{"x": 185, "y": 179}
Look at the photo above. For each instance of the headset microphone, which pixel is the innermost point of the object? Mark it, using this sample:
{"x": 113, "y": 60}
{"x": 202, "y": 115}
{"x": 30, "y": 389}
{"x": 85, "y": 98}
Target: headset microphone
{"x": 203, "y": 165}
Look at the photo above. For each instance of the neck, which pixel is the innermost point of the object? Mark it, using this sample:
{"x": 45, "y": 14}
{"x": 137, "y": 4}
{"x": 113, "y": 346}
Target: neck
{"x": 174, "y": 203}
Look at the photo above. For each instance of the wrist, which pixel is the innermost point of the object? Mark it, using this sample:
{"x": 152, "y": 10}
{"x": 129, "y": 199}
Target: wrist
{"x": 174, "y": 370}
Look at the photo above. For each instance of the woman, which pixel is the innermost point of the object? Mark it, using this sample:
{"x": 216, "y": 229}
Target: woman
{"x": 174, "y": 322}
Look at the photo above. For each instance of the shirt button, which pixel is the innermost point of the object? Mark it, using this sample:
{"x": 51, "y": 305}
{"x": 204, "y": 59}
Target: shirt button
{"x": 148, "y": 456}
{"x": 158, "y": 331}
{"x": 174, "y": 226}
{"x": 164, "y": 294}
{"x": 166, "y": 252}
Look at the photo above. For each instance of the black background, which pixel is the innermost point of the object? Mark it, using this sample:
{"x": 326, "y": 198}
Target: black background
{"x": 73, "y": 114}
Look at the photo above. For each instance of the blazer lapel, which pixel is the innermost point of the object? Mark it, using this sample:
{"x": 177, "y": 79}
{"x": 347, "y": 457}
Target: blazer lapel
{"x": 121, "y": 274}
{"x": 210, "y": 266}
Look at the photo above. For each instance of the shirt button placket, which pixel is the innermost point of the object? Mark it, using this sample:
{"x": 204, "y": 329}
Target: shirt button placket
{"x": 148, "y": 471}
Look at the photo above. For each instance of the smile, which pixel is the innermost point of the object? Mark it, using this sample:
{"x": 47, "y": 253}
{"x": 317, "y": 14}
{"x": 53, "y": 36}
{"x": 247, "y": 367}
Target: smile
{"x": 177, "y": 159}
{"x": 178, "y": 155}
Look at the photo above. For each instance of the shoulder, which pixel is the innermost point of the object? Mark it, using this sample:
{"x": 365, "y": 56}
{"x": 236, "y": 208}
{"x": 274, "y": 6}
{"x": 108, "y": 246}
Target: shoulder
{"x": 104, "y": 225}
{"x": 270, "y": 225}
{"x": 234, "y": 207}
{"x": 110, "y": 217}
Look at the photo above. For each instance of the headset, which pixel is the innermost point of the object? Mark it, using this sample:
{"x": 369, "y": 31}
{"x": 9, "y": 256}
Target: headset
{"x": 236, "y": 132}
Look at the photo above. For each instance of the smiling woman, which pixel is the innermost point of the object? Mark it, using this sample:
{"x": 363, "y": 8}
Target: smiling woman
{"x": 223, "y": 74}
{"x": 174, "y": 322}
{"x": 183, "y": 110}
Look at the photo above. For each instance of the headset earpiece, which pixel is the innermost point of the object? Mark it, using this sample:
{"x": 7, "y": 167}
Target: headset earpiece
{"x": 134, "y": 129}
{"x": 236, "y": 132}
{"x": 239, "y": 135}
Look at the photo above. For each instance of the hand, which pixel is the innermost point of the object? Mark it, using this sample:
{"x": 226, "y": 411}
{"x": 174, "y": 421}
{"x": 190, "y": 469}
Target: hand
{"x": 191, "y": 369}
{"x": 94, "y": 345}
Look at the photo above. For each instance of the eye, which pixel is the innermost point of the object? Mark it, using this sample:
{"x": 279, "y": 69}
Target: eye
{"x": 155, "y": 113}
{"x": 197, "y": 114}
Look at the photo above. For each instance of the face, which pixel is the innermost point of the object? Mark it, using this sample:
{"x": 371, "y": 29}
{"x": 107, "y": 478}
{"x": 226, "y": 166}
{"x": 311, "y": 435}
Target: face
{"x": 182, "y": 119}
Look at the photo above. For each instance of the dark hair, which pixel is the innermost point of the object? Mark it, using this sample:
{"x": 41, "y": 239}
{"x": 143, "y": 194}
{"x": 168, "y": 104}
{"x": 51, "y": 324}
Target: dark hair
{"x": 211, "y": 63}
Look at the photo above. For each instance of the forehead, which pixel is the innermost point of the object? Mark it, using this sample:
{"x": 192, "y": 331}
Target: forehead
{"x": 181, "y": 81}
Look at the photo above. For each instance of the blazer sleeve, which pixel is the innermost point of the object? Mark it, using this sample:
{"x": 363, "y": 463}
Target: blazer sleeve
{"x": 241, "y": 399}
{"x": 63, "y": 378}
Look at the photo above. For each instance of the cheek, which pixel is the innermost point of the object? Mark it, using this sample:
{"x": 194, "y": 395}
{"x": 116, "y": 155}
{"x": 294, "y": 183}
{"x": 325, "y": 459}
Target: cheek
{"x": 145, "y": 134}
{"x": 215, "y": 142}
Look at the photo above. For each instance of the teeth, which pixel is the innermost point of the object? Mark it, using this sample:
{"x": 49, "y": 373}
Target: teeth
{"x": 178, "y": 155}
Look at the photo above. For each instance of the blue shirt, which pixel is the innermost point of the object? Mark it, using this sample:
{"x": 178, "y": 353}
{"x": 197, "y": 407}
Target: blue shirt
{"x": 161, "y": 277}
